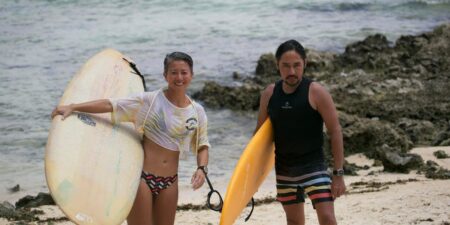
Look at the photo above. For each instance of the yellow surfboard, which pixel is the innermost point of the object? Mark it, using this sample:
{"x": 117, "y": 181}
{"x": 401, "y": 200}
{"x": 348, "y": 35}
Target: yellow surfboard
{"x": 255, "y": 163}
{"x": 93, "y": 167}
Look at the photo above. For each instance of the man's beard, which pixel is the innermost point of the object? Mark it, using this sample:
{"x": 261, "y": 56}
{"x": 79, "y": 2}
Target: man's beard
{"x": 297, "y": 81}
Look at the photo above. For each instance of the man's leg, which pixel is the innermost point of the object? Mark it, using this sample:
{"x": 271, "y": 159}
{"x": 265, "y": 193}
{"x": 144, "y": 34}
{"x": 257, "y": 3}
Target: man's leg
{"x": 291, "y": 196}
{"x": 295, "y": 214}
{"x": 318, "y": 189}
{"x": 325, "y": 213}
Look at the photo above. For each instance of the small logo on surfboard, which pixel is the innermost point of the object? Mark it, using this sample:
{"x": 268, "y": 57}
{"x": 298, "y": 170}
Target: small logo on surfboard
{"x": 86, "y": 119}
{"x": 84, "y": 218}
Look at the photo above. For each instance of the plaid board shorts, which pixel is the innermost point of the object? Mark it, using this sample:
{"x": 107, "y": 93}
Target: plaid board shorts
{"x": 292, "y": 190}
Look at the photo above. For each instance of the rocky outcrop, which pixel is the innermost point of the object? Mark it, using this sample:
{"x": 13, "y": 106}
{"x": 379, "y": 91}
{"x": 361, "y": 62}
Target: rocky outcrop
{"x": 443, "y": 138}
{"x": 399, "y": 162}
{"x": 363, "y": 135}
{"x": 31, "y": 202}
{"x": 433, "y": 171}
{"x": 440, "y": 154}
{"x": 244, "y": 97}
{"x": 22, "y": 210}
{"x": 10, "y": 213}
{"x": 409, "y": 80}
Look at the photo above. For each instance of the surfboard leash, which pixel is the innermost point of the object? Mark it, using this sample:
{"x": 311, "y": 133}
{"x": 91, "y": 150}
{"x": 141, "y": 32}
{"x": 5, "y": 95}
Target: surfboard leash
{"x": 212, "y": 191}
{"x": 218, "y": 207}
{"x": 251, "y": 211}
{"x": 136, "y": 71}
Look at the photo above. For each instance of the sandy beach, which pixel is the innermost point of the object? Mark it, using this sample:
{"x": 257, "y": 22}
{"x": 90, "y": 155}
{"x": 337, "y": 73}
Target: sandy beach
{"x": 378, "y": 198}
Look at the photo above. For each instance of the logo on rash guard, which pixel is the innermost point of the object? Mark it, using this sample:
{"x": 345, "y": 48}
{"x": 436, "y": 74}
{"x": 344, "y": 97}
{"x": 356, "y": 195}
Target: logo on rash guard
{"x": 286, "y": 106}
{"x": 191, "y": 123}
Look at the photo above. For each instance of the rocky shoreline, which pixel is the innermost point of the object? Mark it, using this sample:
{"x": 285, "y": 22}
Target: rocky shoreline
{"x": 390, "y": 96}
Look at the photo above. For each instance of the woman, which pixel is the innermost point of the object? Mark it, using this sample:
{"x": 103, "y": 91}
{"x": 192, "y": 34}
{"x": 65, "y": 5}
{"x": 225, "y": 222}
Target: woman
{"x": 171, "y": 123}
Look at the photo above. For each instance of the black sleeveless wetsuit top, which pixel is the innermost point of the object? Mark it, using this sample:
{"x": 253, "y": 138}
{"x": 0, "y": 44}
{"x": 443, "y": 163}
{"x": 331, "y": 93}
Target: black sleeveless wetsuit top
{"x": 298, "y": 128}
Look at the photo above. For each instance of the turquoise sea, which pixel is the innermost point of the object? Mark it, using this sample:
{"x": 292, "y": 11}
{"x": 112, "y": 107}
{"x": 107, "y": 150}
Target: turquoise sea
{"x": 44, "y": 43}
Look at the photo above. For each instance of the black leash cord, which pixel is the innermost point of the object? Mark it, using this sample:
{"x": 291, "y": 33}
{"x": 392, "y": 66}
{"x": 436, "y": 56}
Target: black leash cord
{"x": 217, "y": 208}
{"x": 136, "y": 71}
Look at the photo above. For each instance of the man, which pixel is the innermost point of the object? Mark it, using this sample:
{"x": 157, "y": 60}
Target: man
{"x": 298, "y": 108}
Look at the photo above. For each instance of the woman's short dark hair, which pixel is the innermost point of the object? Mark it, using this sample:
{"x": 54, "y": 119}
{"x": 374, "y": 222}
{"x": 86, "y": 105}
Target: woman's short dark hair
{"x": 174, "y": 56}
{"x": 288, "y": 46}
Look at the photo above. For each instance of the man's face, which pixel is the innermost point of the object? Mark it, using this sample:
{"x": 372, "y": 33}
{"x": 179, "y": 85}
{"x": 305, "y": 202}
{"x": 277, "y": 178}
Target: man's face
{"x": 291, "y": 67}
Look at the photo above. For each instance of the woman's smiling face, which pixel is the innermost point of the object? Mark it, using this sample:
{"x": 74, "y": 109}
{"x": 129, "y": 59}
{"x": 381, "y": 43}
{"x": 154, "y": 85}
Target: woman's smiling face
{"x": 178, "y": 74}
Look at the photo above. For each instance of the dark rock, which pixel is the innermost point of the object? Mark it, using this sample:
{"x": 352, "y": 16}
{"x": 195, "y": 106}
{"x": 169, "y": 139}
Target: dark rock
{"x": 432, "y": 165}
{"x": 7, "y": 206}
{"x": 237, "y": 76}
{"x": 267, "y": 66}
{"x": 377, "y": 162}
{"x": 266, "y": 71}
{"x": 377, "y": 42}
{"x": 443, "y": 138}
{"x": 319, "y": 64}
{"x": 440, "y": 154}
{"x": 365, "y": 54}
{"x": 420, "y": 132}
{"x": 403, "y": 81}
{"x": 14, "y": 189}
{"x": 351, "y": 169}
{"x": 445, "y": 142}
{"x": 362, "y": 135}
{"x": 244, "y": 97}
{"x": 434, "y": 171}
{"x": 367, "y": 136}
{"x": 30, "y": 201}
{"x": 8, "y": 212}
{"x": 400, "y": 162}
{"x": 410, "y": 44}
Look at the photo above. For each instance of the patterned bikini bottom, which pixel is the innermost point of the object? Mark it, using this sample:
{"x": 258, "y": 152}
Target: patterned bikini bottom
{"x": 157, "y": 183}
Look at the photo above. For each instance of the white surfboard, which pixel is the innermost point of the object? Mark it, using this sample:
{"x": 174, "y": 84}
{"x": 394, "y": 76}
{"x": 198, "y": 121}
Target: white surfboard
{"x": 93, "y": 167}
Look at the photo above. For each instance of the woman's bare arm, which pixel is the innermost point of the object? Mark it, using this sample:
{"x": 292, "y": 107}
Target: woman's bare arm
{"x": 96, "y": 106}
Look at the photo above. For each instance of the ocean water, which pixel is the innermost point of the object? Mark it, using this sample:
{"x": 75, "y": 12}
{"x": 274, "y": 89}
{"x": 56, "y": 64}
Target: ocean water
{"x": 44, "y": 43}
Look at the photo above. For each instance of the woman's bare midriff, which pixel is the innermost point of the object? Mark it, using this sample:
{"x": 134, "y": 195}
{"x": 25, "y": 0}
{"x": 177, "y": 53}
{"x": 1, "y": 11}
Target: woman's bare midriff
{"x": 158, "y": 160}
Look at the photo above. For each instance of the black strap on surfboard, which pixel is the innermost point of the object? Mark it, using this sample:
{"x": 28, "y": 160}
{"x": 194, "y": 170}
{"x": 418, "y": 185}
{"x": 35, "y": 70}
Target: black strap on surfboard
{"x": 136, "y": 71}
{"x": 251, "y": 211}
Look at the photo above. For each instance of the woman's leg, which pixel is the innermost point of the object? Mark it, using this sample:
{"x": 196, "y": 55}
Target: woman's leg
{"x": 141, "y": 213}
{"x": 165, "y": 205}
